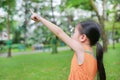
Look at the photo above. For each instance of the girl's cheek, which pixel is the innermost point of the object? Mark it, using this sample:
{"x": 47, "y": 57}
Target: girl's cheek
{"x": 74, "y": 36}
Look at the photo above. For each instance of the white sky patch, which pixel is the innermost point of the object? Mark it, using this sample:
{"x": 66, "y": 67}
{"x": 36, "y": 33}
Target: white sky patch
{"x": 99, "y": 6}
{"x": 19, "y": 3}
{"x": 2, "y": 13}
{"x": 55, "y": 13}
{"x": 56, "y": 2}
{"x": 78, "y": 13}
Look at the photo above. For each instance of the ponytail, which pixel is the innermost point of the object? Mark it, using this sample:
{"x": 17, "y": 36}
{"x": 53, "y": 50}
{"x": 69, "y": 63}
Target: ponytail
{"x": 99, "y": 56}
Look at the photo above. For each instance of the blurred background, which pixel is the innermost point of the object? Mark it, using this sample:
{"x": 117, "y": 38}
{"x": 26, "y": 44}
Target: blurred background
{"x": 17, "y": 30}
{"x": 20, "y": 35}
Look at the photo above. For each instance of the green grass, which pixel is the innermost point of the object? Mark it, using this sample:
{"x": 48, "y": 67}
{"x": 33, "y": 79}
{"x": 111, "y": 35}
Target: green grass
{"x": 42, "y": 66}
{"x": 5, "y": 49}
{"x": 46, "y": 66}
{"x": 112, "y": 63}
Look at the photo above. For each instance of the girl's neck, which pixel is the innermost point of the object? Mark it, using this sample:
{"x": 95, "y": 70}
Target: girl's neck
{"x": 87, "y": 47}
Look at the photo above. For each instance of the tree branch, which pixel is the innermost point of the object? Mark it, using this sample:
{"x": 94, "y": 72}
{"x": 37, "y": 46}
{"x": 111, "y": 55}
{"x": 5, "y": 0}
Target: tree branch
{"x": 95, "y": 9}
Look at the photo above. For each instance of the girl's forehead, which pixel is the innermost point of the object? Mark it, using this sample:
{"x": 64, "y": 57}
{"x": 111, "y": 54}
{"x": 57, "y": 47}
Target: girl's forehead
{"x": 78, "y": 26}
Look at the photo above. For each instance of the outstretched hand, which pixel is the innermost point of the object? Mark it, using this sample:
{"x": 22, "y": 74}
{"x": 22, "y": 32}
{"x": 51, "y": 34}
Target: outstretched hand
{"x": 35, "y": 16}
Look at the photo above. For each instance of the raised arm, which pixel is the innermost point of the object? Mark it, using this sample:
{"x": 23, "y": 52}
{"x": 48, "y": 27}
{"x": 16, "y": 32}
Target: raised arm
{"x": 62, "y": 35}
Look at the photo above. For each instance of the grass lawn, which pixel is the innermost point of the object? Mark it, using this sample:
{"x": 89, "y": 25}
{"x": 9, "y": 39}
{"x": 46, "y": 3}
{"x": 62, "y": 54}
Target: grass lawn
{"x": 43, "y": 66}
{"x": 112, "y": 63}
{"x": 46, "y": 66}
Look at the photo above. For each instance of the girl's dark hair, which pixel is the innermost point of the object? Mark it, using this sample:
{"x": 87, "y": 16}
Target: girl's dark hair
{"x": 92, "y": 30}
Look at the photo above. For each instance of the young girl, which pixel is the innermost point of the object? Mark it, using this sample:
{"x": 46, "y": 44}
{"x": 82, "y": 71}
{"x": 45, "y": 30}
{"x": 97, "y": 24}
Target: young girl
{"x": 84, "y": 65}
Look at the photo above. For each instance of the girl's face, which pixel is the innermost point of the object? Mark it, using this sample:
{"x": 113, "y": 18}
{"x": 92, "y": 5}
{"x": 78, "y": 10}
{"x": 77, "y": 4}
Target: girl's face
{"x": 77, "y": 36}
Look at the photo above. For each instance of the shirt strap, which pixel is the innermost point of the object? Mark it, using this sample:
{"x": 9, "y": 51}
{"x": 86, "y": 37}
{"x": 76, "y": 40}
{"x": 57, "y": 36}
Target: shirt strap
{"x": 86, "y": 51}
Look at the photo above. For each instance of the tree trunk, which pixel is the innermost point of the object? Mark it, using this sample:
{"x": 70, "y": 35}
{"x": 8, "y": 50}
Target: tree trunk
{"x": 101, "y": 21}
{"x": 8, "y": 31}
{"x": 54, "y": 42}
{"x": 105, "y": 16}
{"x": 113, "y": 26}
{"x": 104, "y": 36}
{"x": 9, "y": 52}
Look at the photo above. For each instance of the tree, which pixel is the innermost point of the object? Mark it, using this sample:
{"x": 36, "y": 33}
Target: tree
{"x": 54, "y": 39}
{"x": 101, "y": 21}
{"x": 90, "y": 5}
{"x": 2, "y": 23}
{"x": 115, "y": 19}
{"x": 9, "y": 7}
{"x": 16, "y": 36}
{"x": 26, "y": 6}
{"x": 44, "y": 10}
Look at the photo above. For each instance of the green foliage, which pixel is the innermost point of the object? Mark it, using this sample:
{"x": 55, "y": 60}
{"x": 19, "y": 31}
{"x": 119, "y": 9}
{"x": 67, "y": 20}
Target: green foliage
{"x": 41, "y": 35}
{"x": 83, "y": 4}
{"x": 114, "y": 1}
{"x": 16, "y": 37}
{"x": 2, "y": 24}
{"x": 38, "y": 1}
{"x": 8, "y": 5}
{"x": 110, "y": 24}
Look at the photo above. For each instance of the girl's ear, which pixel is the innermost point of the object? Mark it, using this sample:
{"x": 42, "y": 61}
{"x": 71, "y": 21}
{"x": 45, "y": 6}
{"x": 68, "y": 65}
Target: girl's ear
{"x": 83, "y": 38}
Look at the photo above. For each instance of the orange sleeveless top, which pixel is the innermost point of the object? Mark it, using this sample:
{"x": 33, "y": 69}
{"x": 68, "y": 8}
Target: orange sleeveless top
{"x": 86, "y": 71}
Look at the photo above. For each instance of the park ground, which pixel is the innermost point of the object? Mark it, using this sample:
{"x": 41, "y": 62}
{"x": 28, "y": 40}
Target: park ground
{"x": 47, "y": 66}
